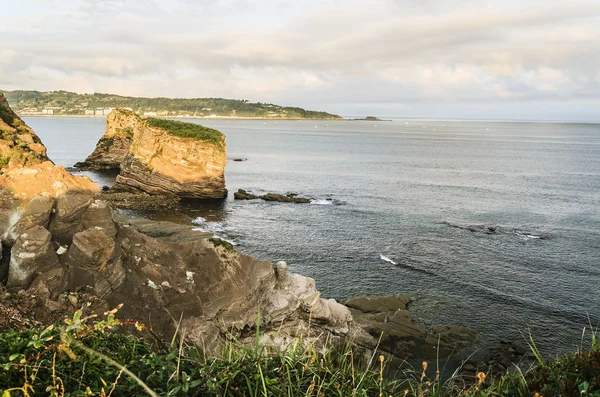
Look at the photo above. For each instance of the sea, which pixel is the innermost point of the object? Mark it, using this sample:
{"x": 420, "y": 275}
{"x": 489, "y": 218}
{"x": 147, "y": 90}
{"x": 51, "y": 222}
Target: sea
{"x": 489, "y": 225}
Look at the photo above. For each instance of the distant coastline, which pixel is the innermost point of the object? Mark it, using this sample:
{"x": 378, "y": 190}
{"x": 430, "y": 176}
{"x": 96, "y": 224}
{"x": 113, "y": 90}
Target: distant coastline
{"x": 71, "y": 104}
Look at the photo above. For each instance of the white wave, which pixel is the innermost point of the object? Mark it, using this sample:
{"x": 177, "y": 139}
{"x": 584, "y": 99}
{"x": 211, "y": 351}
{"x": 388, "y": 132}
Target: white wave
{"x": 224, "y": 239}
{"x": 321, "y": 202}
{"x": 198, "y": 221}
{"x": 385, "y": 258}
{"x": 210, "y": 227}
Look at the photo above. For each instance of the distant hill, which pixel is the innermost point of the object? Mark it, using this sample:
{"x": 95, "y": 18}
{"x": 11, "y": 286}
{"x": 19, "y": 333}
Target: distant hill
{"x": 69, "y": 103}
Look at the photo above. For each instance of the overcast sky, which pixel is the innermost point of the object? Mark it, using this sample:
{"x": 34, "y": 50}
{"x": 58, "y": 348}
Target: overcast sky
{"x": 414, "y": 58}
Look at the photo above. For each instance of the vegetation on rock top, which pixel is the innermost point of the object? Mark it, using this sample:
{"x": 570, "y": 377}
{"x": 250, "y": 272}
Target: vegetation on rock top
{"x": 188, "y": 130}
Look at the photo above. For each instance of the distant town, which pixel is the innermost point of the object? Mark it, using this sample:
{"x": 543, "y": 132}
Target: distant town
{"x": 64, "y": 103}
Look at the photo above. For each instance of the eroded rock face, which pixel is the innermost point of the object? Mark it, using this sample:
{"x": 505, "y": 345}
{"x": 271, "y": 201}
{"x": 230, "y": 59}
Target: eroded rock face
{"x": 19, "y": 145}
{"x": 114, "y": 145}
{"x": 160, "y": 163}
{"x": 155, "y": 160}
{"x": 32, "y": 253}
{"x": 25, "y": 170}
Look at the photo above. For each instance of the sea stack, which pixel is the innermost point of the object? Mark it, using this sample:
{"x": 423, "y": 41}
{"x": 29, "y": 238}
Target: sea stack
{"x": 114, "y": 145}
{"x": 162, "y": 157}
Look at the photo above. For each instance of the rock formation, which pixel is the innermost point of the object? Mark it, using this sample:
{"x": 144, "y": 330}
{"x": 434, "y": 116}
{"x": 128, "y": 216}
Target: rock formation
{"x": 24, "y": 167}
{"x": 161, "y": 157}
{"x": 114, "y": 145}
{"x": 67, "y": 250}
{"x": 241, "y": 194}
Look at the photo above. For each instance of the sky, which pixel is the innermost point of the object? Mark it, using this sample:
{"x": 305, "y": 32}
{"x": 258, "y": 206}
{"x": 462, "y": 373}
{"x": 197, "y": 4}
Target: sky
{"x": 484, "y": 59}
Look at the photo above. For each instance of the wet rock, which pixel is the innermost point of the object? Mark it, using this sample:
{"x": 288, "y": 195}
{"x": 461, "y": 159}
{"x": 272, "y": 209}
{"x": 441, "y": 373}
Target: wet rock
{"x": 378, "y": 304}
{"x": 241, "y": 194}
{"x": 33, "y": 252}
{"x": 139, "y": 200}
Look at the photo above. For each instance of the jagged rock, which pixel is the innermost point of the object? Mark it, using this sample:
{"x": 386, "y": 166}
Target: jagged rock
{"x": 32, "y": 253}
{"x": 160, "y": 159}
{"x": 241, "y": 194}
{"x": 35, "y": 213}
{"x": 25, "y": 170}
{"x": 99, "y": 215}
{"x": 68, "y": 217}
{"x": 140, "y": 201}
{"x": 19, "y": 145}
{"x": 378, "y": 304}
{"x": 49, "y": 284}
{"x": 114, "y": 145}
{"x": 90, "y": 259}
{"x": 384, "y": 322}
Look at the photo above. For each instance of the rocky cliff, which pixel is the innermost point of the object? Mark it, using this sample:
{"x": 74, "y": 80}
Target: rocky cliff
{"x": 114, "y": 145}
{"x": 161, "y": 157}
{"x": 19, "y": 145}
{"x": 25, "y": 169}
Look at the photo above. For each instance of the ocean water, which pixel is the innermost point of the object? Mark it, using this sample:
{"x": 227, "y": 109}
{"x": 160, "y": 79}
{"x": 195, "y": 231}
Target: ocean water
{"x": 490, "y": 225}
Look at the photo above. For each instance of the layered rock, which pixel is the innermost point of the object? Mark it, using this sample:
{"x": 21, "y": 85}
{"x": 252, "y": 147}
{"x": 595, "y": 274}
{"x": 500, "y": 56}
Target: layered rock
{"x": 161, "y": 157}
{"x": 19, "y": 145}
{"x": 24, "y": 166}
{"x": 114, "y": 145}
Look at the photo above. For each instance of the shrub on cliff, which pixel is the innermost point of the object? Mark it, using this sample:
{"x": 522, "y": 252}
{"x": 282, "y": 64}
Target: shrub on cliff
{"x": 188, "y": 130}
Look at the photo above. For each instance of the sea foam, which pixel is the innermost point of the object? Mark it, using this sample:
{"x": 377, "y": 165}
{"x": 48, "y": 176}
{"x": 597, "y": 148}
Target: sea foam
{"x": 385, "y": 258}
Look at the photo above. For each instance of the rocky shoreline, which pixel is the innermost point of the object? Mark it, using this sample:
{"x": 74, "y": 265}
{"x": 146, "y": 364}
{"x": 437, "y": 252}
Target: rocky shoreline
{"x": 64, "y": 248}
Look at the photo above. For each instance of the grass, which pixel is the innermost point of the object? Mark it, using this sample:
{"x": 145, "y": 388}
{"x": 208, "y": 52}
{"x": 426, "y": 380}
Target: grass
{"x": 189, "y": 130}
{"x": 86, "y": 356}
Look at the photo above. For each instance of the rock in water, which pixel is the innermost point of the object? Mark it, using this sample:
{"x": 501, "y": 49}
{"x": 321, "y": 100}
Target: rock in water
{"x": 114, "y": 145}
{"x": 163, "y": 157}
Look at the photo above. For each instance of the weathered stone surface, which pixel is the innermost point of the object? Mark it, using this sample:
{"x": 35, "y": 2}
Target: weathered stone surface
{"x": 26, "y": 171}
{"x": 68, "y": 217}
{"x": 99, "y": 215}
{"x": 159, "y": 163}
{"x": 384, "y": 322}
{"x": 19, "y": 145}
{"x": 378, "y": 304}
{"x": 32, "y": 253}
{"x": 90, "y": 260}
{"x": 36, "y": 212}
{"x": 114, "y": 145}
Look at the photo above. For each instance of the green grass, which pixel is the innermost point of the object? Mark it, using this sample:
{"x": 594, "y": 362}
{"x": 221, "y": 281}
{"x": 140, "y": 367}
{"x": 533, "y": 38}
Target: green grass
{"x": 82, "y": 357}
{"x": 4, "y": 160}
{"x": 189, "y": 130}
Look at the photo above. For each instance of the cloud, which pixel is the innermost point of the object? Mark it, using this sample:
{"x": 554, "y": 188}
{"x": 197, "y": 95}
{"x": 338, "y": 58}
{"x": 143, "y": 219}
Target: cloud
{"x": 309, "y": 53}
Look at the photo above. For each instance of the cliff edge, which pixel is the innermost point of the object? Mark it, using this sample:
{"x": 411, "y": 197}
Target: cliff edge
{"x": 25, "y": 169}
{"x": 114, "y": 145}
{"x": 162, "y": 157}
